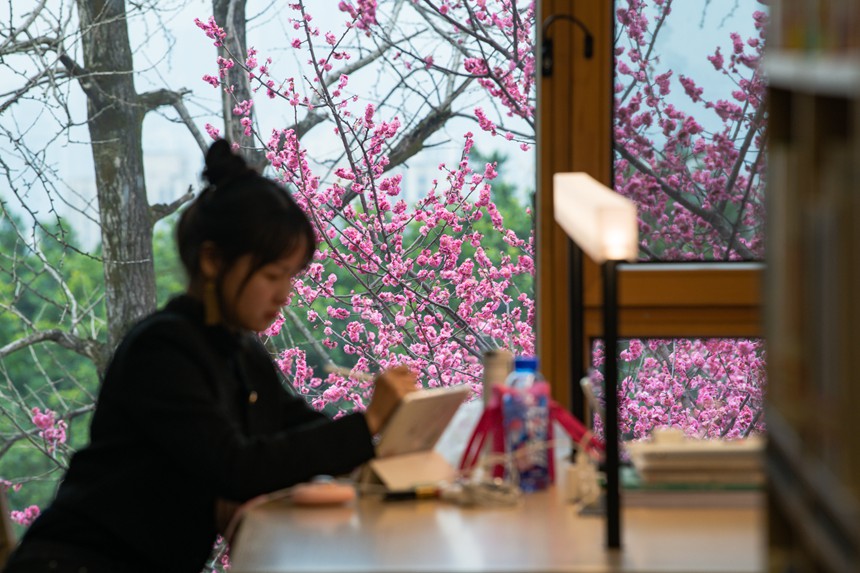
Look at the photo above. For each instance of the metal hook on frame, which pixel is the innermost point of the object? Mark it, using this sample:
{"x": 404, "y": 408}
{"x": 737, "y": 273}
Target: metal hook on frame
{"x": 546, "y": 47}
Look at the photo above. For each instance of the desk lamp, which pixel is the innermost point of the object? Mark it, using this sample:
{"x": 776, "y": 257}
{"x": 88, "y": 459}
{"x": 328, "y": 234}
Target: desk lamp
{"x": 604, "y": 225}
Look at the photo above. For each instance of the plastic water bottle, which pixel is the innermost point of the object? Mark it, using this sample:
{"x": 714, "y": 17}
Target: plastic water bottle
{"x": 525, "y": 415}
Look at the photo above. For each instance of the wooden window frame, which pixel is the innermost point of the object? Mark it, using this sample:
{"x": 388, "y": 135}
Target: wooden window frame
{"x": 574, "y": 131}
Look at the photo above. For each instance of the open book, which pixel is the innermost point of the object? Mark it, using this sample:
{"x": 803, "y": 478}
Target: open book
{"x": 405, "y": 455}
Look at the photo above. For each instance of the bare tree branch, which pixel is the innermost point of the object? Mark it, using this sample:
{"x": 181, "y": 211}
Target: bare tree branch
{"x": 413, "y": 142}
{"x": 24, "y": 25}
{"x": 87, "y": 347}
{"x": 715, "y": 220}
{"x": 161, "y": 210}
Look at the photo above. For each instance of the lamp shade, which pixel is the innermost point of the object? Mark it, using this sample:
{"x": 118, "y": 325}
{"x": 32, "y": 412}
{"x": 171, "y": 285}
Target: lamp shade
{"x": 599, "y": 220}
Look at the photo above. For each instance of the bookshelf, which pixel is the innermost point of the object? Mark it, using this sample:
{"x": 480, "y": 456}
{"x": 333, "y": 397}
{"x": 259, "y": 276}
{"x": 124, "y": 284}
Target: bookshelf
{"x": 813, "y": 286}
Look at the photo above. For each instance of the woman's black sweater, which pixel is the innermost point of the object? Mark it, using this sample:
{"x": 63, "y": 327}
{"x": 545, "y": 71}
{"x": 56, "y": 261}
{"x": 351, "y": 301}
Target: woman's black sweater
{"x": 188, "y": 414}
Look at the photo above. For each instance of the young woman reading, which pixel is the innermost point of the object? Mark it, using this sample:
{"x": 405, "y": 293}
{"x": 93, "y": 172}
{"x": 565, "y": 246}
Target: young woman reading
{"x": 191, "y": 412}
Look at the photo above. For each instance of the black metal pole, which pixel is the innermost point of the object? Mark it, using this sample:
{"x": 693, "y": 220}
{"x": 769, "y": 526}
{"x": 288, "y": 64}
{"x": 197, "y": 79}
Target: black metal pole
{"x": 610, "y": 376}
{"x": 577, "y": 332}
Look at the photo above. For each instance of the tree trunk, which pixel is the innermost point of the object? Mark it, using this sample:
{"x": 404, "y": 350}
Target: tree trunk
{"x": 115, "y": 121}
{"x": 230, "y": 15}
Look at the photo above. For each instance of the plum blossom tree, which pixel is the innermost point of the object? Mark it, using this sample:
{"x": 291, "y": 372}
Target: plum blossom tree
{"x": 421, "y": 290}
{"x": 414, "y": 301}
{"x": 699, "y": 190}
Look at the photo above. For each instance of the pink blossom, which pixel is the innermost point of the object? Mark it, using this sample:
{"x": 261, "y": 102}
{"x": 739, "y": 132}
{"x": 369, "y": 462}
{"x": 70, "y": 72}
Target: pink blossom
{"x": 26, "y": 517}
{"x": 275, "y": 328}
{"x": 363, "y": 13}
{"x": 691, "y": 88}
{"x": 51, "y": 430}
{"x": 212, "y": 30}
{"x": 251, "y": 60}
{"x": 717, "y": 60}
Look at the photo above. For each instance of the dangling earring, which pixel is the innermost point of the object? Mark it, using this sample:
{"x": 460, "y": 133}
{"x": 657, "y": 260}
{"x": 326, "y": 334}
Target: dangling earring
{"x": 211, "y": 309}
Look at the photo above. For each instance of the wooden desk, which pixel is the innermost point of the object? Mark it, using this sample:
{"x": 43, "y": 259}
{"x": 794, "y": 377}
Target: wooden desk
{"x": 543, "y": 533}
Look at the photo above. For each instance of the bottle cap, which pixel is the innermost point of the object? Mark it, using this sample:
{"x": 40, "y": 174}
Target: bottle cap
{"x": 526, "y": 363}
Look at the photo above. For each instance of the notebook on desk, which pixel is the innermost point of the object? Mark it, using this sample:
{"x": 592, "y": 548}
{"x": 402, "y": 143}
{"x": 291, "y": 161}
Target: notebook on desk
{"x": 405, "y": 455}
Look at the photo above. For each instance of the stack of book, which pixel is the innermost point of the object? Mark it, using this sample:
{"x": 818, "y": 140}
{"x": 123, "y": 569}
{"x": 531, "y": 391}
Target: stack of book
{"x": 673, "y": 471}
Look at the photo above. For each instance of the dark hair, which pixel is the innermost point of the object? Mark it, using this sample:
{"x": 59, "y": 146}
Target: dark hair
{"x": 241, "y": 212}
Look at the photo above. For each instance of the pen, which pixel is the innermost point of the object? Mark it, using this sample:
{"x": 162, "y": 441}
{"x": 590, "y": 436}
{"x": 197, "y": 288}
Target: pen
{"x": 420, "y": 492}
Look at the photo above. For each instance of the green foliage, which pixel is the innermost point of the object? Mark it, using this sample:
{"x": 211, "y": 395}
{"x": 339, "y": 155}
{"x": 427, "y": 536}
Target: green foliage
{"x": 46, "y": 375}
{"x": 170, "y": 277}
{"x": 33, "y": 298}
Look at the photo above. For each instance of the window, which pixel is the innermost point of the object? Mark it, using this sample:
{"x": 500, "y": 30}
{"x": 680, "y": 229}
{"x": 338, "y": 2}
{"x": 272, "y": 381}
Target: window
{"x": 657, "y": 300}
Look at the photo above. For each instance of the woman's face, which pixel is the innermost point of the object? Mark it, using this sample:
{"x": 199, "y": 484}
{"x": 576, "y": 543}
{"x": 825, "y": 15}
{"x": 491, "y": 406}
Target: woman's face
{"x": 256, "y": 304}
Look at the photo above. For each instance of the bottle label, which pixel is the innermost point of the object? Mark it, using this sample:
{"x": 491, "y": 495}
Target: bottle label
{"x": 526, "y": 425}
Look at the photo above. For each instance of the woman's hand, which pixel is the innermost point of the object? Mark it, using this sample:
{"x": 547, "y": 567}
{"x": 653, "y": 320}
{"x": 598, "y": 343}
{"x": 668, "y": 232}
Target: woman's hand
{"x": 390, "y": 387}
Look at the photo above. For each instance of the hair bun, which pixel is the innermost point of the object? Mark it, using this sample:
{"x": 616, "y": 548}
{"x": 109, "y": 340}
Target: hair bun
{"x": 222, "y": 164}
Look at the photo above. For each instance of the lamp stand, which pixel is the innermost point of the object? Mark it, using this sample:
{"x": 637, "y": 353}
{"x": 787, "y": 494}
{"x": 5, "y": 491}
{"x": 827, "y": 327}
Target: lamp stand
{"x": 578, "y": 367}
{"x": 610, "y": 380}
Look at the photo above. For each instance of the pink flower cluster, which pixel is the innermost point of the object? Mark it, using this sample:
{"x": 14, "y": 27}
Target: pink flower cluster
{"x": 363, "y": 13}
{"x": 51, "y": 430}
{"x": 275, "y": 328}
{"x": 212, "y": 30}
{"x": 500, "y": 58}
{"x": 712, "y": 388}
{"x": 25, "y": 517}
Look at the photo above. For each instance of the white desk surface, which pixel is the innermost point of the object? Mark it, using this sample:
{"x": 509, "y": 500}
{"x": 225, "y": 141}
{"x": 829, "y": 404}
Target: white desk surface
{"x": 542, "y": 533}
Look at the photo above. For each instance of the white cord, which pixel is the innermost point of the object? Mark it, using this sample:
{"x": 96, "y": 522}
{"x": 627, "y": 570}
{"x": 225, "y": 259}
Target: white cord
{"x": 496, "y": 492}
